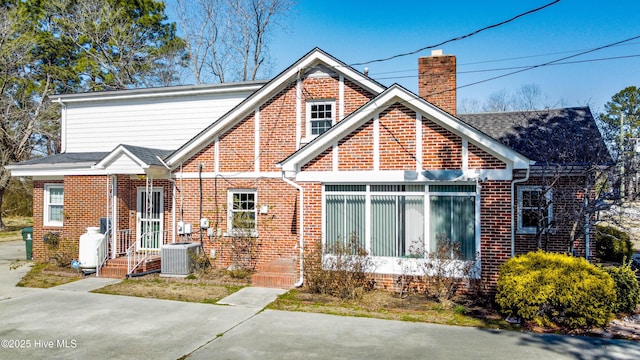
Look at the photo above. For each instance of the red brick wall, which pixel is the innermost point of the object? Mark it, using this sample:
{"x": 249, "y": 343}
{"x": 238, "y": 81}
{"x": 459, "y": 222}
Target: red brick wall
{"x": 278, "y": 230}
{"x": 354, "y": 97}
{"x": 237, "y": 148}
{"x": 479, "y": 159}
{"x": 85, "y": 202}
{"x": 277, "y": 129}
{"x": 322, "y": 162}
{"x": 38, "y": 219}
{"x": 495, "y": 224}
{"x": 355, "y": 151}
{"x": 568, "y": 194}
{"x": 441, "y": 150}
{"x": 437, "y": 81}
{"x": 397, "y": 139}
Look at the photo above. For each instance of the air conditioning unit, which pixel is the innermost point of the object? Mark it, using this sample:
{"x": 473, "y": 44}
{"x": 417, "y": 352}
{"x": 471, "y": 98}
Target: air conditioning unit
{"x": 178, "y": 259}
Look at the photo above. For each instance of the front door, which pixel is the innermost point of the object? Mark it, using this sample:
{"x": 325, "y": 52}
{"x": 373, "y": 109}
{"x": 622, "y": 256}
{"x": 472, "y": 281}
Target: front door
{"x": 149, "y": 229}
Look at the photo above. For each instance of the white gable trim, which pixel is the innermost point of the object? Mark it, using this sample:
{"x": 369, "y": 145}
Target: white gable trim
{"x": 293, "y": 73}
{"x": 117, "y": 155}
{"x": 396, "y": 94}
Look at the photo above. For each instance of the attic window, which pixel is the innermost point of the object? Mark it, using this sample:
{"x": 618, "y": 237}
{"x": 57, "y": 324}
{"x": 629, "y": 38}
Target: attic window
{"x": 320, "y": 117}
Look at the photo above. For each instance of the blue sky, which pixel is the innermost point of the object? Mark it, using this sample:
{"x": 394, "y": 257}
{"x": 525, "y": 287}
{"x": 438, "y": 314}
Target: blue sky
{"x": 359, "y": 31}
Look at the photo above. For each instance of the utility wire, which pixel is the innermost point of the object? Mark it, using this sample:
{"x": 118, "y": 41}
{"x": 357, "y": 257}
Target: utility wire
{"x": 553, "y": 62}
{"x": 520, "y": 67}
{"x": 459, "y": 37}
{"x": 414, "y": 70}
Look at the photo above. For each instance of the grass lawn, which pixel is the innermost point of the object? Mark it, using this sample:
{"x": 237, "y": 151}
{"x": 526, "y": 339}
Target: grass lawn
{"x": 204, "y": 287}
{"x": 44, "y": 275}
{"x": 382, "y": 304}
{"x": 212, "y": 285}
{"x": 14, "y": 227}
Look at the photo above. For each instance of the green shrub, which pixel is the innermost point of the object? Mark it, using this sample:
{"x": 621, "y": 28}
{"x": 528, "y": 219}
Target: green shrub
{"x": 612, "y": 244}
{"x": 627, "y": 290}
{"x": 558, "y": 289}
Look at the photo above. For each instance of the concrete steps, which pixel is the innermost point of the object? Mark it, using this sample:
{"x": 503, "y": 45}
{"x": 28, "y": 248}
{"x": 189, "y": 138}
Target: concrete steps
{"x": 279, "y": 274}
{"x": 117, "y": 268}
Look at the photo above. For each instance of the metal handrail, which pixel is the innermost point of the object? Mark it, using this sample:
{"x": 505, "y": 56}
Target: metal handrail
{"x": 123, "y": 241}
{"x": 102, "y": 253}
{"x": 136, "y": 257}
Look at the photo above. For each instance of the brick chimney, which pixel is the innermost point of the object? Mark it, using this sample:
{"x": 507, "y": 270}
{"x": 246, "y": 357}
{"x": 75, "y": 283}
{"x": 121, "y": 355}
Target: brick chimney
{"x": 437, "y": 80}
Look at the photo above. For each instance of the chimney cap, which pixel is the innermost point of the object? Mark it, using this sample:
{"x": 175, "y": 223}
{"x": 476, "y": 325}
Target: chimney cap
{"x": 437, "y": 52}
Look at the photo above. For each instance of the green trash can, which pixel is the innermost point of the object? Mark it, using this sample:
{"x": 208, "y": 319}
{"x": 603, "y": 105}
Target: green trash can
{"x": 27, "y": 236}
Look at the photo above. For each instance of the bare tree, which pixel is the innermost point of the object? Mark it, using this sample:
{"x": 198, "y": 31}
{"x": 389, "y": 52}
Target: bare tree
{"x": 468, "y": 106}
{"x": 203, "y": 28}
{"x": 526, "y": 98}
{"x": 227, "y": 40}
{"x": 572, "y": 173}
{"x": 498, "y": 101}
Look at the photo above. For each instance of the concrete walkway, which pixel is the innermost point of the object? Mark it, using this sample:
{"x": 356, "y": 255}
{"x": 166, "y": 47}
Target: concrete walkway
{"x": 68, "y": 322}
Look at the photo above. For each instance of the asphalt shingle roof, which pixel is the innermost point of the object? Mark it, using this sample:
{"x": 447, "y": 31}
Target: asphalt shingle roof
{"x": 557, "y": 136}
{"x": 148, "y": 155}
{"x": 67, "y": 158}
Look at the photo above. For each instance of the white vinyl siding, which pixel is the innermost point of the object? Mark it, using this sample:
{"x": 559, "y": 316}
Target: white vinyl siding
{"x": 53, "y": 204}
{"x": 142, "y": 122}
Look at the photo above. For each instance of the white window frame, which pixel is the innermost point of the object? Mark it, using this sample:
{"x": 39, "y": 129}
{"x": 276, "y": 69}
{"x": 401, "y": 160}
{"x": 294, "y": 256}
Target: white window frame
{"x": 404, "y": 265}
{"x": 521, "y": 229}
{"x": 309, "y": 134}
{"x": 47, "y": 204}
{"x": 231, "y": 231}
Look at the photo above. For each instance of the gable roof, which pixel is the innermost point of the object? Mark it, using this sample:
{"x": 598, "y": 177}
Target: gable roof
{"x": 556, "y": 136}
{"x": 292, "y": 73}
{"x": 140, "y": 158}
{"x": 398, "y": 94}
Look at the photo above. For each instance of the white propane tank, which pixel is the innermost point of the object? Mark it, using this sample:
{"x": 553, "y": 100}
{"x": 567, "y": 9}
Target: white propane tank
{"x": 88, "y": 248}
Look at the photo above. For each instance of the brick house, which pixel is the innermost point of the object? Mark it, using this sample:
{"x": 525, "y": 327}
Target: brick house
{"x": 319, "y": 153}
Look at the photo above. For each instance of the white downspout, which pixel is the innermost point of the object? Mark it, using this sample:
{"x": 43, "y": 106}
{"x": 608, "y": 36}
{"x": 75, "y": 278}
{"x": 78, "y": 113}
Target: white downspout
{"x": 513, "y": 211}
{"x": 301, "y": 246}
{"x": 587, "y": 227}
{"x": 173, "y": 202}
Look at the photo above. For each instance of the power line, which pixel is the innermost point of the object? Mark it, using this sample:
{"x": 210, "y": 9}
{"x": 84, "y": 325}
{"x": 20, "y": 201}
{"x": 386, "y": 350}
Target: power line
{"x": 547, "y": 63}
{"x": 532, "y": 56}
{"x": 415, "y": 70}
{"x": 459, "y": 37}
{"x": 518, "y": 67}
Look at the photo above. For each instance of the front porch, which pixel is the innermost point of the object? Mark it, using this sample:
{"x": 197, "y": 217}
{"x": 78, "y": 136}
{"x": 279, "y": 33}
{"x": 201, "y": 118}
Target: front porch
{"x": 124, "y": 255}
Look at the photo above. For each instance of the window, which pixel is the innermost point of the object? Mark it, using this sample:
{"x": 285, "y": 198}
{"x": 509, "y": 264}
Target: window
{"x": 390, "y": 220}
{"x": 397, "y": 220}
{"x": 320, "y": 117}
{"x": 534, "y": 209}
{"x": 345, "y": 216}
{"x": 242, "y": 211}
{"x": 53, "y": 202}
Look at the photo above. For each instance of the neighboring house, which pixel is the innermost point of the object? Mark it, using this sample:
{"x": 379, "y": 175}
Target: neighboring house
{"x": 320, "y": 153}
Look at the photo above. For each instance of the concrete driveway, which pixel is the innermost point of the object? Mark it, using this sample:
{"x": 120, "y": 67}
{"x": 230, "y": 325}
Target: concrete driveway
{"x": 67, "y": 322}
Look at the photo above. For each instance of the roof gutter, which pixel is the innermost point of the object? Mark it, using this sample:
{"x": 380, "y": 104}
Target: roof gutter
{"x": 301, "y": 245}
{"x": 513, "y": 212}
